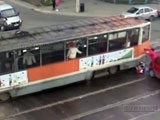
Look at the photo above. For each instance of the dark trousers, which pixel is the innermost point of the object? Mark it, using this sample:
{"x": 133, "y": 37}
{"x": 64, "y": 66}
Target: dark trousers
{"x": 54, "y": 5}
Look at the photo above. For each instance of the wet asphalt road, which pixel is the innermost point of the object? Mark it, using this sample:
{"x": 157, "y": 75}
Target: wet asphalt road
{"x": 123, "y": 96}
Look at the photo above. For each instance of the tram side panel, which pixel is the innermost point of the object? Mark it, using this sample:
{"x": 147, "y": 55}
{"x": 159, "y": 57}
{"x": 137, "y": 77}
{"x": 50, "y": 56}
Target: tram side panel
{"x": 115, "y": 53}
{"x": 70, "y": 71}
{"x": 52, "y": 70}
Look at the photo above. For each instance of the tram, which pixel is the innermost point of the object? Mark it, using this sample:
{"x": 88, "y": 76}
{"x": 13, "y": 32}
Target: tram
{"x": 57, "y": 55}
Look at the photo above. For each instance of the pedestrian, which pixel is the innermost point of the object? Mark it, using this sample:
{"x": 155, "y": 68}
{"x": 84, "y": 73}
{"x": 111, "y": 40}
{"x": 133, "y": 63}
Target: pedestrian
{"x": 153, "y": 55}
{"x": 57, "y": 3}
{"x": 54, "y": 4}
{"x": 151, "y": 52}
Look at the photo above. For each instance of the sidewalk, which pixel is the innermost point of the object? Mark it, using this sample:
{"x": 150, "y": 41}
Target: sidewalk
{"x": 92, "y": 8}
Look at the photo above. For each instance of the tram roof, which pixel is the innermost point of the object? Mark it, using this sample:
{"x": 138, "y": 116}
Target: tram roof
{"x": 66, "y": 31}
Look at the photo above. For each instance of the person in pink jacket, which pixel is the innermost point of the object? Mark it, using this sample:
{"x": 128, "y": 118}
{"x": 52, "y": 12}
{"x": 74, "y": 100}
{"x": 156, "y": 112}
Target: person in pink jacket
{"x": 151, "y": 52}
{"x": 58, "y": 2}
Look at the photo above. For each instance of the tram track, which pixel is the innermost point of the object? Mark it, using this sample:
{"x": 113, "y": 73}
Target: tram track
{"x": 28, "y": 111}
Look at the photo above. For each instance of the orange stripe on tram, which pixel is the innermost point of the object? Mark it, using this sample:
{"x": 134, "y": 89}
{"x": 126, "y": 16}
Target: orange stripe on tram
{"x": 39, "y": 73}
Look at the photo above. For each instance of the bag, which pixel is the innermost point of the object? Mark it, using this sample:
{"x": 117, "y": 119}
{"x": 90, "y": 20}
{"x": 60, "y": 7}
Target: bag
{"x": 139, "y": 70}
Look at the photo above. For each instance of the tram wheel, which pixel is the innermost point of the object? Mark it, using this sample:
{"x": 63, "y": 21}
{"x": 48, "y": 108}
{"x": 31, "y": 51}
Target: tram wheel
{"x": 4, "y": 96}
{"x": 113, "y": 70}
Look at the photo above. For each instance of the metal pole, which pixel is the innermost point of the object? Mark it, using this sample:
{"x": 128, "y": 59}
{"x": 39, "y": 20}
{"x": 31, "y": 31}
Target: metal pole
{"x": 77, "y": 6}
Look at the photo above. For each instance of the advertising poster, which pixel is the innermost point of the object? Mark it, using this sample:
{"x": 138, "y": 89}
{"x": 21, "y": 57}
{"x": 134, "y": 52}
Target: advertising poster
{"x": 106, "y": 58}
{"x": 5, "y": 81}
{"x": 13, "y": 79}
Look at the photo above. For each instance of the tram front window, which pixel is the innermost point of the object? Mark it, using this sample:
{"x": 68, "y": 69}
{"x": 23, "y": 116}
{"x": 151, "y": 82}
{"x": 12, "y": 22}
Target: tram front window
{"x": 145, "y": 33}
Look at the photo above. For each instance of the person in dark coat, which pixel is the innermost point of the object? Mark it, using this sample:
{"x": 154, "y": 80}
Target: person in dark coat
{"x": 54, "y": 4}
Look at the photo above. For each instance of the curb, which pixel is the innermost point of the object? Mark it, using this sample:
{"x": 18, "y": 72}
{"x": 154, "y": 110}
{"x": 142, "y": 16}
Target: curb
{"x": 40, "y": 9}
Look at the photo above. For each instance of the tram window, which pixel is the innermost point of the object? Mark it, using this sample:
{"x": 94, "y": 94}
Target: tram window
{"x": 79, "y": 44}
{"x": 133, "y": 36}
{"x": 26, "y": 58}
{"x": 6, "y": 62}
{"x": 145, "y": 34}
{"x": 30, "y": 57}
{"x": 117, "y": 40}
{"x": 92, "y": 40}
{"x": 52, "y": 53}
{"x": 47, "y": 56}
{"x": 97, "y": 44}
{"x": 82, "y": 46}
{"x": 58, "y": 52}
{"x": 122, "y": 37}
{"x": 18, "y": 60}
{"x": 112, "y": 37}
